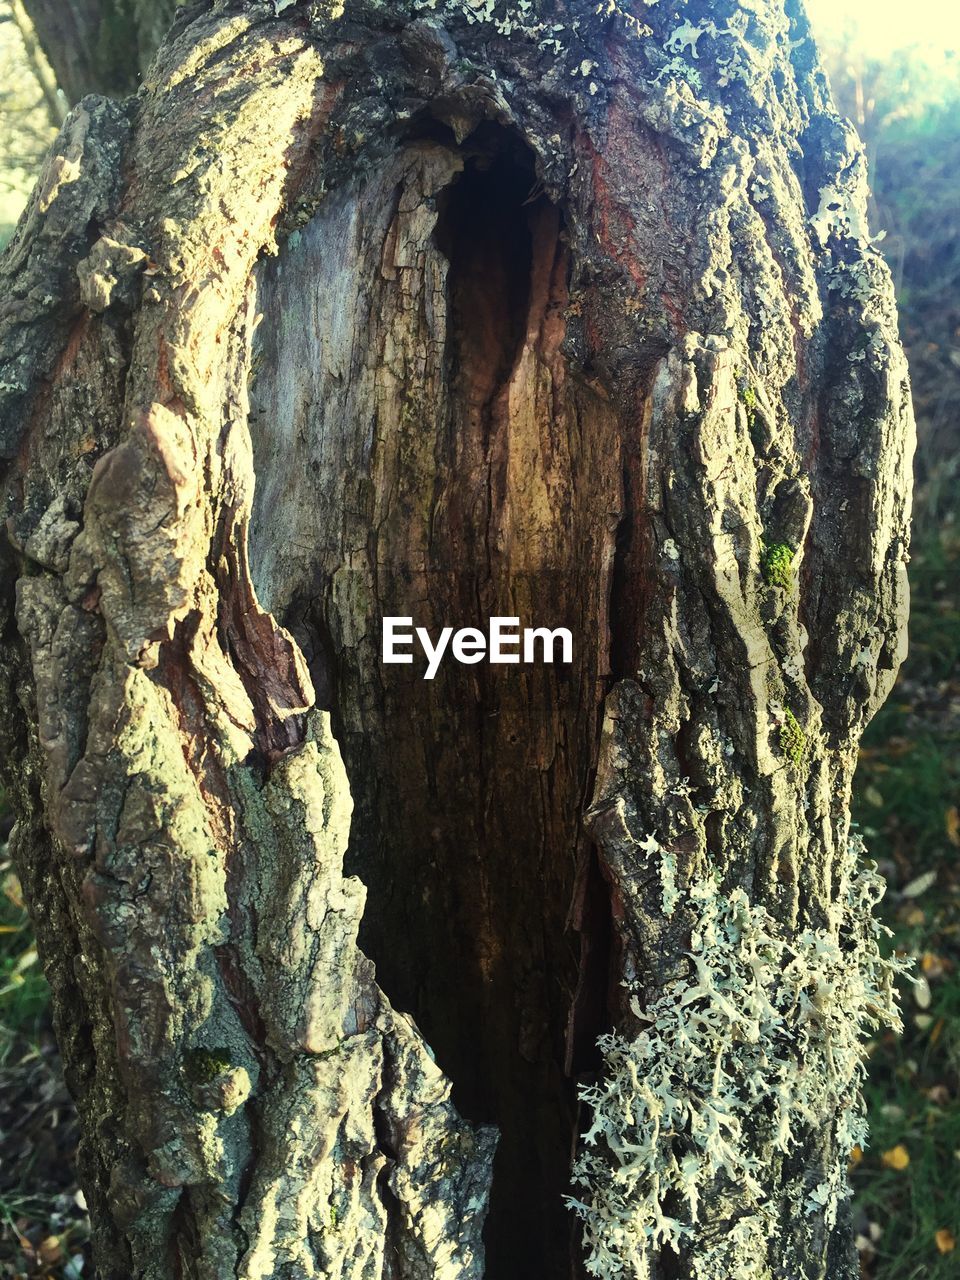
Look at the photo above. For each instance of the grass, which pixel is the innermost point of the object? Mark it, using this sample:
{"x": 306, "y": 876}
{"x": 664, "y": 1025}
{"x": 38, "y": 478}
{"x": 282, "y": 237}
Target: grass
{"x": 24, "y": 995}
{"x": 907, "y": 1184}
{"x": 43, "y": 1223}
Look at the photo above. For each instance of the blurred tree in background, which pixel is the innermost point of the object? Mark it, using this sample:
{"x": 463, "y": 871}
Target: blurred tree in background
{"x": 907, "y": 110}
{"x": 100, "y": 46}
{"x": 31, "y": 110}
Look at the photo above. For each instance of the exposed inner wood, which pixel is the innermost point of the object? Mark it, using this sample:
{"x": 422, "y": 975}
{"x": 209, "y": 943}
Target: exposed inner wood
{"x": 423, "y": 449}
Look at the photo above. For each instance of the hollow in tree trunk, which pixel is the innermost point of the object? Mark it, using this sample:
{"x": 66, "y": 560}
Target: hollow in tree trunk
{"x": 451, "y": 312}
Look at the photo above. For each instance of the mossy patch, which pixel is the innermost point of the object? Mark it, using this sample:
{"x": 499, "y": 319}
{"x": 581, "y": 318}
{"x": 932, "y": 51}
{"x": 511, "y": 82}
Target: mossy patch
{"x": 776, "y": 565}
{"x": 793, "y": 740}
{"x": 204, "y": 1065}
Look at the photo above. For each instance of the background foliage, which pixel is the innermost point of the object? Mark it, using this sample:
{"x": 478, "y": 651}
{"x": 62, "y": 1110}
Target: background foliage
{"x": 31, "y": 111}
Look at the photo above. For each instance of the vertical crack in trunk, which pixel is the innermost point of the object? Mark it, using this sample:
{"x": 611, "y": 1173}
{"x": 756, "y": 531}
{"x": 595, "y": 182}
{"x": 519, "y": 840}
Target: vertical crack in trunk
{"x": 434, "y": 406}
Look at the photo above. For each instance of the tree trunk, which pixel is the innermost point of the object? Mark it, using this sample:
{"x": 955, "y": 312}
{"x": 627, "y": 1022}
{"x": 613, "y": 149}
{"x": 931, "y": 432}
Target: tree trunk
{"x": 452, "y": 312}
{"x": 99, "y": 46}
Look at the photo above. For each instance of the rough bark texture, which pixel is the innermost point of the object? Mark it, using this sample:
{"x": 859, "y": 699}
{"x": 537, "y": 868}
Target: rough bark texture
{"x": 550, "y": 313}
{"x": 100, "y": 46}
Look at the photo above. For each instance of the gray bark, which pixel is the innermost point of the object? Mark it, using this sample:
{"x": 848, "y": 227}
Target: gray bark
{"x": 450, "y": 312}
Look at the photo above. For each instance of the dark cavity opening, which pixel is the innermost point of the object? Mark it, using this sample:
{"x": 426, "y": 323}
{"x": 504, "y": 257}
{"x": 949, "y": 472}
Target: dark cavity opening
{"x": 485, "y": 231}
{"x": 447, "y": 465}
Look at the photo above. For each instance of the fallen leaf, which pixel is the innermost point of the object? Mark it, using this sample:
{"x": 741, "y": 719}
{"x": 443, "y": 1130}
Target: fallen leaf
{"x": 946, "y": 1241}
{"x": 873, "y": 796}
{"x": 25, "y": 961}
{"x": 856, "y": 1154}
{"x": 12, "y": 891}
{"x": 921, "y": 992}
{"x": 920, "y": 885}
{"x": 49, "y": 1251}
{"x": 897, "y": 1157}
{"x": 951, "y": 821}
{"x": 932, "y": 965}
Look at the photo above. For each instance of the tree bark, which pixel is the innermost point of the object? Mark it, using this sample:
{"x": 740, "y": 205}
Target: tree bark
{"x": 99, "y": 46}
{"x": 454, "y": 312}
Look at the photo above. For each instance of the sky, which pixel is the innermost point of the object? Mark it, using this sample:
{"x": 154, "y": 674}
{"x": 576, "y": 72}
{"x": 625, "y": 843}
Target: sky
{"x": 885, "y": 25}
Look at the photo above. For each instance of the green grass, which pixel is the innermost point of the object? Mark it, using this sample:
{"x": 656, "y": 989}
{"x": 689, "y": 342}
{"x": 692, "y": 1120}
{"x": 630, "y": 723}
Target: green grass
{"x": 43, "y": 1227}
{"x": 906, "y": 797}
{"x": 935, "y": 610}
{"x": 913, "y": 1204}
{"x": 24, "y": 994}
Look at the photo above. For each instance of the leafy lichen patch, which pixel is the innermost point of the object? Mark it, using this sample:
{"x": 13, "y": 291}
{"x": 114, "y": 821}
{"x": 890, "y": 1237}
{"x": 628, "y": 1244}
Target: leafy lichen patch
{"x": 756, "y": 1045}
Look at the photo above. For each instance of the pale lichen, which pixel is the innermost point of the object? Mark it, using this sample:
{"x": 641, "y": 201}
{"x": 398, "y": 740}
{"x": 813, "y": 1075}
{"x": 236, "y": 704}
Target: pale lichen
{"x": 752, "y": 1053}
{"x": 842, "y": 212}
{"x": 670, "y": 894}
